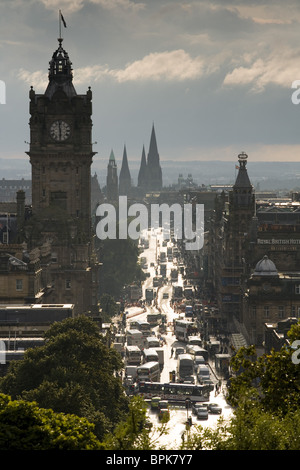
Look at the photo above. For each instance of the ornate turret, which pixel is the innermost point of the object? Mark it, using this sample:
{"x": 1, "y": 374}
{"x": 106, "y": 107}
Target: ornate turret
{"x": 60, "y": 73}
{"x": 242, "y": 195}
{"x": 242, "y": 180}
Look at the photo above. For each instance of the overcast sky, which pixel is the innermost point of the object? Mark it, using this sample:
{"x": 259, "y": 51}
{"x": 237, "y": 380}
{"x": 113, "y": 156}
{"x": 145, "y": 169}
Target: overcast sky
{"x": 213, "y": 76}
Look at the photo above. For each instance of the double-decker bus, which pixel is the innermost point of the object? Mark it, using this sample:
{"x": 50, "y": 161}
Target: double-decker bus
{"x": 174, "y": 392}
{"x": 143, "y": 326}
{"x": 149, "y": 372}
{"x": 153, "y": 318}
{"x": 150, "y": 355}
{"x": 152, "y": 342}
{"x": 133, "y": 355}
{"x": 185, "y": 367}
{"x": 134, "y": 338}
{"x": 183, "y": 329}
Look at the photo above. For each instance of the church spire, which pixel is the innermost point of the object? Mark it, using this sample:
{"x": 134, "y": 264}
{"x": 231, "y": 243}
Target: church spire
{"x": 153, "y": 156}
{"x": 153, "y": 165}
{"x": 124, "y": 178}
{"x": 142, "y": 176}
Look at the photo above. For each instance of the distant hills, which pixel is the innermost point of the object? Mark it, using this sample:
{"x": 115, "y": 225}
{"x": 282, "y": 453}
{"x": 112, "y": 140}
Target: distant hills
{"x": 269, "y": 175}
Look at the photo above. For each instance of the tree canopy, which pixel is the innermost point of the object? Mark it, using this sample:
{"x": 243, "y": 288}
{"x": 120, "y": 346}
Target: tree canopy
{"x": 25, "y": 426}
{"x": 73, "y": 372}
{"x": 272, "y": 380}
{"x": 265, "y": 398}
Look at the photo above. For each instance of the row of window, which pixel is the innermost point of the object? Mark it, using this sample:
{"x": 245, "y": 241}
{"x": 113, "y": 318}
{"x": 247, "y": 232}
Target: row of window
{"x": 282, "y": 311}
{"x": 14, "y": 187}
{"x": 44, "y": 170}
{"x": 19, "y": 284}
{"x": 77, "y": 192}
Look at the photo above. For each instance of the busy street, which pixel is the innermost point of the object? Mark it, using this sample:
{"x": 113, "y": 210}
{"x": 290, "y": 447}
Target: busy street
{"x": 180, "y": 371}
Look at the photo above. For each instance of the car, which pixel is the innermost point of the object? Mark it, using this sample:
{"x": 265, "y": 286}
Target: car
{"x": 179, "y": 350}
{"x": 195, "y": 407}
{"x": 163, "y": 404}
{"x": 148, "y": 424}
{"x": 155, "y": 403}
{"x": 202, "y": 412}
{"x": 209, "y": 383}
{"x": 164, "y": 414}
{"x": 214, "y": 408}
{"x": 199, "y": 360}
{"x": 189, "y": 380}
{"x": 165, "y": 295}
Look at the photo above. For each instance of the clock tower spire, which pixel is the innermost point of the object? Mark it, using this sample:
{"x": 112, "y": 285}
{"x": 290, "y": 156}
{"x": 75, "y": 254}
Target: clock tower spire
{"x": 60, "y": 73}
{"x": 61, "y": 155}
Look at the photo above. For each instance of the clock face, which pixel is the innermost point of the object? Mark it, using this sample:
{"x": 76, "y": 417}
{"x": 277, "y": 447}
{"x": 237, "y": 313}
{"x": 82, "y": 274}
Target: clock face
{"x": 60, "y": 130}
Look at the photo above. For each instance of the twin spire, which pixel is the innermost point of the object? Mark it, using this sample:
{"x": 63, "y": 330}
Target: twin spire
{"x": 149, "y": 176}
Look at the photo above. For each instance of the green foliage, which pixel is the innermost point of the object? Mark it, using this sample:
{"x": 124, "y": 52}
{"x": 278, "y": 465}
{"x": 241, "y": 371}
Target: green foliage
{"x": 272, "y": 380}
{"x": 258, "y": 429}
{"x": 206, "y": 438}
{"x": 136, "y": 432}
{"x": 25, "y": 426}
{"x": 250, "y": 429}
{"x": 74, "y": 372}
{"x": 131, "y": 434}
{"x": 266, "y": 401}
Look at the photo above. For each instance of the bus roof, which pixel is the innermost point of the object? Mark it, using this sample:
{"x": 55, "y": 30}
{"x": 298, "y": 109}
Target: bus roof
{"x": 133, "y": 332}
{"x": 149, "y": 351}
{"x": 148, "y": 365}
{"x": 185, "y": 356}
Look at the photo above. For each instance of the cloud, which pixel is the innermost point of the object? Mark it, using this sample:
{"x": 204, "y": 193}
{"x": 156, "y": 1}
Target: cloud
{"x": 72, "y": 6}
{"x": 166, "y": 66}
{"x": 175, "y": 65}
{"x": 265, "y": 13}
{"x": 37, "y": 79}
{"x": 278, "y": 68}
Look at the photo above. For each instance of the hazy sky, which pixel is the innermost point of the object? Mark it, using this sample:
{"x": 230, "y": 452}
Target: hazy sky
{"x": 214, "y": 76}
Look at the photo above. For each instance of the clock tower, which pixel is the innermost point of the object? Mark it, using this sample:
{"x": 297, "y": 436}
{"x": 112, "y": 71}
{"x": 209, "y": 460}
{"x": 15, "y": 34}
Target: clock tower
{"x": 61, "y": 155}
{"x": 61, "y": 145}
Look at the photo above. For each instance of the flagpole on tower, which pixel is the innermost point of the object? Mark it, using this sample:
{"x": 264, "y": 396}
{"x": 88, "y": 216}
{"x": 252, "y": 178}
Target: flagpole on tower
{"x": 60, "y": 20}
